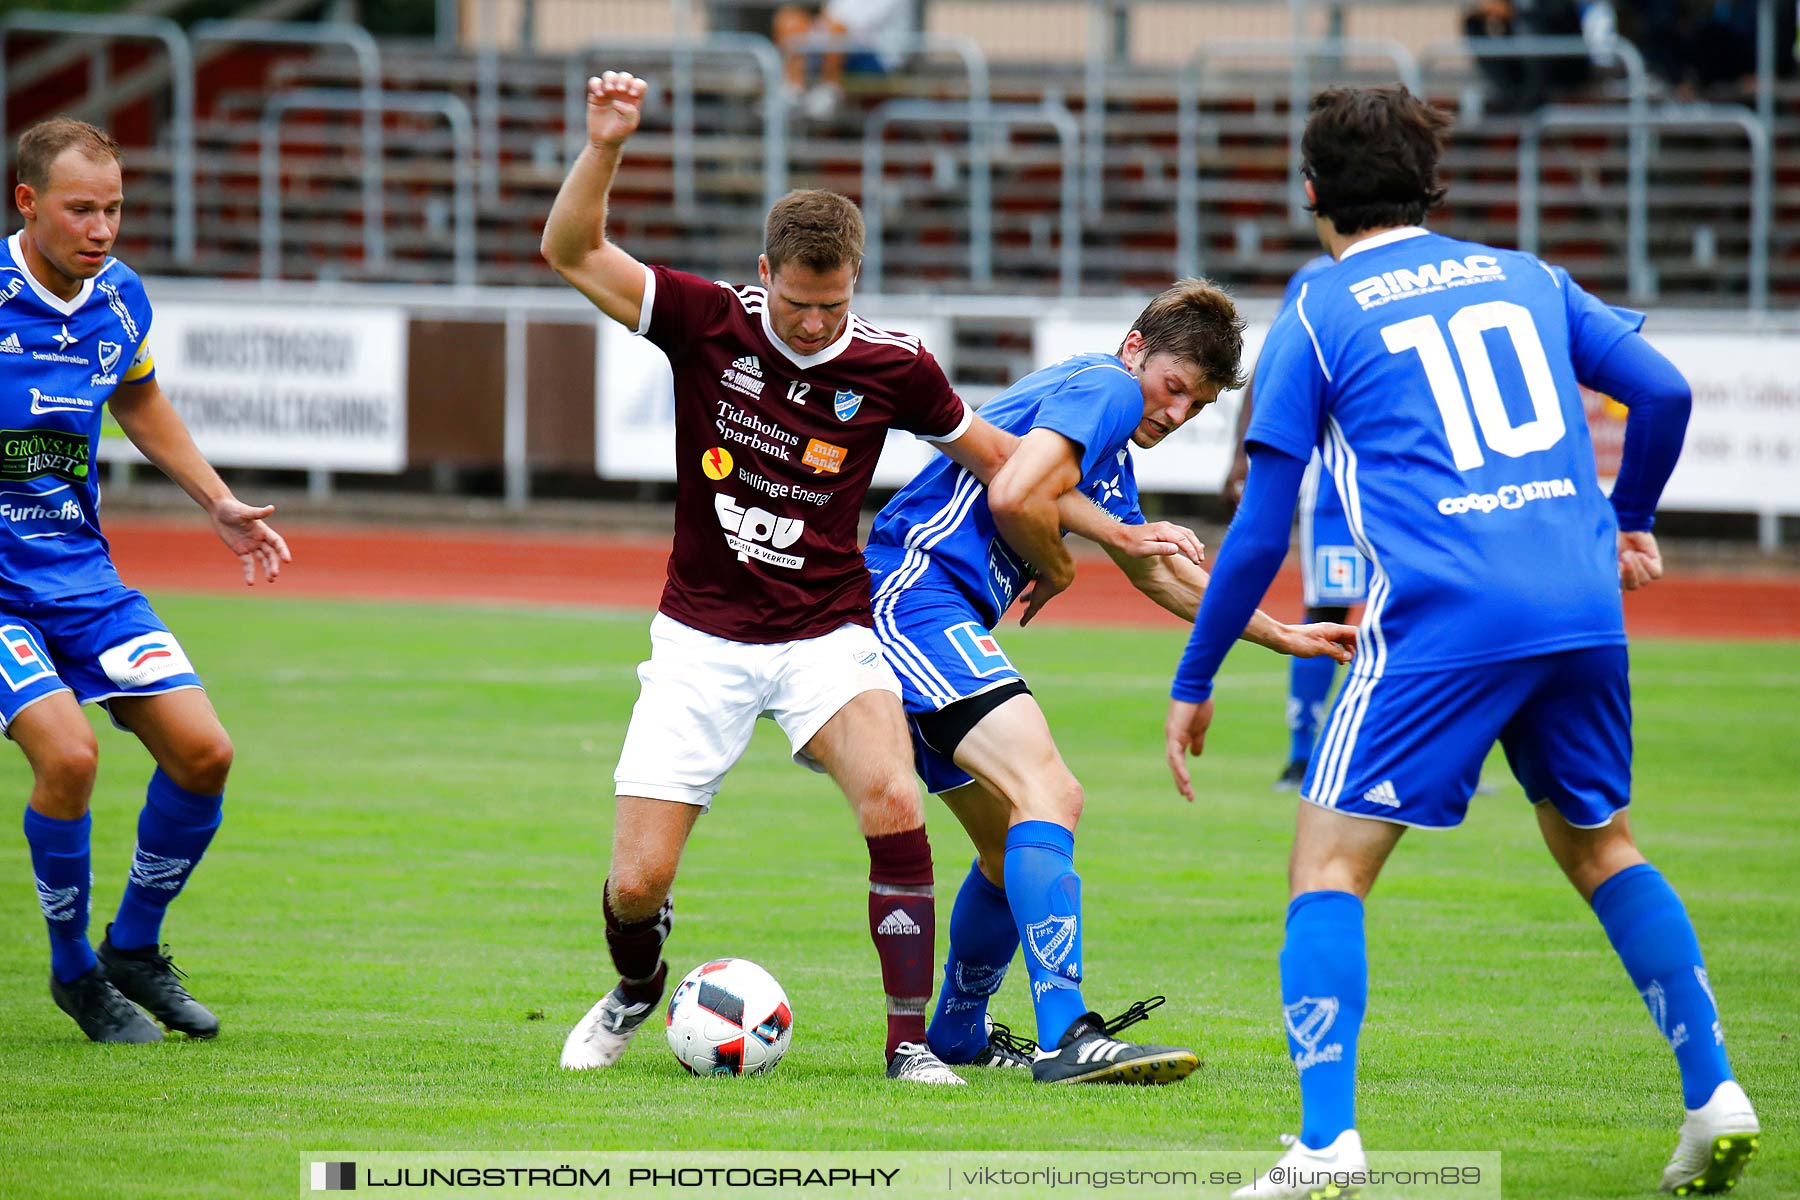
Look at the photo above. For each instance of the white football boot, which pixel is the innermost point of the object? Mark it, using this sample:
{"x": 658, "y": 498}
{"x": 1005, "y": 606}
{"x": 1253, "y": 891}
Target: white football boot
{"x": 1717, "y": 1139}
{"x": 599, "y": 1038}
{"x": 913, "y": 1062}
{"x": 1329, "y": 1174}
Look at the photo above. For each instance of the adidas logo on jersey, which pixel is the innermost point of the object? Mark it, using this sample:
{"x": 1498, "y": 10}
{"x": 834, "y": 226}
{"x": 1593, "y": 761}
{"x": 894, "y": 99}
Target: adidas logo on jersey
{"x": 1426, "y": 278}
{"x": 744, "y": 375}
{"x": 10, "y": 344}
{"x": 1383, "y": 794}
{"x": 897, "y": 923}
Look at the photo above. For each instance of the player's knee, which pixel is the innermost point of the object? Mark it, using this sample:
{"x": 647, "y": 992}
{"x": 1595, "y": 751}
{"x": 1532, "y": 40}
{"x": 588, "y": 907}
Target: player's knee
{"x": 891, "y": 806}
{"x": 65, "y": 774}
{"x": 635, "y": 891}
{"x": 202, "y": 764}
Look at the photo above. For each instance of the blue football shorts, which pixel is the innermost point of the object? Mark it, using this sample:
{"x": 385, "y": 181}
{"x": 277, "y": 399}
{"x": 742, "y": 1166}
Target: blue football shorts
{"x": 942, "y": 652}
{"x": 1409, "y": 748}
{"x": 99, "y": 646}
{"x": 1333, "y": 573}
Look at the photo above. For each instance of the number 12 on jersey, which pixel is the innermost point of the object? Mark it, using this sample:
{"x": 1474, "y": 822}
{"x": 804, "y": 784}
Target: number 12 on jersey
{"x": 1421, "y": 334}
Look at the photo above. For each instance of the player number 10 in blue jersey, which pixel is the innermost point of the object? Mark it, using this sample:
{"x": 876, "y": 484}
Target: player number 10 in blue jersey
{"x": 1422, "y": 334}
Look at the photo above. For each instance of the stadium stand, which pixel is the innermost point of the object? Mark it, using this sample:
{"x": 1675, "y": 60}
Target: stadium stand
{"x": 705, "y": 215}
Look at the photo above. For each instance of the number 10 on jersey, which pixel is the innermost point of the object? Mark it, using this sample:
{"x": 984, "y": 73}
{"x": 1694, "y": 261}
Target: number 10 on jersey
{"x": 1421, "y": 334}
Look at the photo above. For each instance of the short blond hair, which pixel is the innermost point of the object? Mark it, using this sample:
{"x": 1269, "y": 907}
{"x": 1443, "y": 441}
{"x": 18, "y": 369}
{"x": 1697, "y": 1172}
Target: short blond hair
{"x": 42, "y": 144}
{"x": 820, "y": 230}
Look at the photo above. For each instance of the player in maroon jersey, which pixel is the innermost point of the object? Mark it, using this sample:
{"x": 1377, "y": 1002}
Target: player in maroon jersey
{"x": 783, "y": 401}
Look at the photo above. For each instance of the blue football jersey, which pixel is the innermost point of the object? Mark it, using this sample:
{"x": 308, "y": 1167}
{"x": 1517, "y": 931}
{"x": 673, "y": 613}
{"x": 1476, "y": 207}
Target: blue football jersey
{"x": 61, "y": 361}
{"x": 1439, "y": 381}
{"x": 937, "y": 531}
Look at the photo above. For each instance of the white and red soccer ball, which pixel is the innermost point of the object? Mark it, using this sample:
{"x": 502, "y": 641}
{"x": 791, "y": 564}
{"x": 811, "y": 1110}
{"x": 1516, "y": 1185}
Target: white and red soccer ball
{"x": 729, "y": 1017}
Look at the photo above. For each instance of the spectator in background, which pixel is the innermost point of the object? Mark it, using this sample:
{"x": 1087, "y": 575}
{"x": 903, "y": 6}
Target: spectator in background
{"x": 1524, "y": 84}
{"x": 1698, "y": 45}
{"x": 879, "y": 27}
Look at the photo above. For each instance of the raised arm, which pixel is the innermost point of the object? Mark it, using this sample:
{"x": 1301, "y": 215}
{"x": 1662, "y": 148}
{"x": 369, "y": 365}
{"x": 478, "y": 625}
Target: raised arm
{"x": 575, "y": 233}
{"x": 154, "y": 427}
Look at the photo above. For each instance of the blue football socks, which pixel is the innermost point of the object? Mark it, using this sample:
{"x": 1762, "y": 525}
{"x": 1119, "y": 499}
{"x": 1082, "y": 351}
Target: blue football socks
{"x": 983, "y": 940}
{"x": 1309, "y": 682}
{"x": 1324, "y": 991}
{"x": 60, "y": 860}
{"x": 1045, "y": 896}
{"x": 1647, "y": 925}
{"x": 174, "y": 829}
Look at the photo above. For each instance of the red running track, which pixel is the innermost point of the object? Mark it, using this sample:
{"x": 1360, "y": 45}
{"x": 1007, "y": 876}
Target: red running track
{"x": 527, "y": 567}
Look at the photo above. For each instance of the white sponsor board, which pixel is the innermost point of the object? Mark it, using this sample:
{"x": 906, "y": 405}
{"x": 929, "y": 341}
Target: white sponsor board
{"x": 1195, "y": 457}
{"x": 634, "y": 391}
{"x": 1742, "y": 452}
{"x": 267, "y": 385}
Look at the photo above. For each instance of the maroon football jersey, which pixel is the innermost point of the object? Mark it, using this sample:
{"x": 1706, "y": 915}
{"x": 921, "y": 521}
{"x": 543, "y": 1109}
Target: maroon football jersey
{"x": 774, "y": 453}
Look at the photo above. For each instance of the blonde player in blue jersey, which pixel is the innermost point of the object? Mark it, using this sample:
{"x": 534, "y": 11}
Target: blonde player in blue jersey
{"x": 74, "y": 338}
{"x": 948, "y": 557}
{"x": 1439, "y": 381}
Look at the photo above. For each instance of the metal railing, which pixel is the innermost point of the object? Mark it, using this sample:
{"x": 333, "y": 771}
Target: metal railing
{"x": 451, "y": 108}
{"x": 1196, "y": 72}
{"x": 181, "y": 83}
{"x": 681, "y": 50}
{"x": 980, "y": 101}
{"x": 1638, "y": 276}
{"x": 1687, "y": 116}
{"x": 368, "y": 64}
{"x": 894, "y": 112}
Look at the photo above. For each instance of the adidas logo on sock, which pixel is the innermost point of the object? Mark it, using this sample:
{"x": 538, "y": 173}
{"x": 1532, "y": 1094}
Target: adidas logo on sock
{"x": 897, "y": 923}
{"x": 749, "y": 364}
{"x": 1383, "y": 794}
{"x": 10, "y": 344}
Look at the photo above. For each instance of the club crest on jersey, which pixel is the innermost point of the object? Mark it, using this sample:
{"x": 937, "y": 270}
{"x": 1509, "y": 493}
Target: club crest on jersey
{"x": 716, "y": 463}
{"x": 109, "y": 355}
{"x": 845, "y": 403}
{"x": 1051, "y": 940}
{"x": 978, "y": 649}
{"x": 146, "y": 659}
{"x": 21, "y": 661}
{"x": 744, "y": 375}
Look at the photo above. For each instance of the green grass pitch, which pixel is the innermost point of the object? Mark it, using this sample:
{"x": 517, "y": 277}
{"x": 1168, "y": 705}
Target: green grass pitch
{"x": 399, "y": 922}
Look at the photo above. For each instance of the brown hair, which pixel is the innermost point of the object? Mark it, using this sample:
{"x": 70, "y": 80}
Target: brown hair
{"x": 1372, "y": 155}
{"x": 820, "y": 230}
{"x": 1196, "y": 321}
{"x": 43, "y": 144}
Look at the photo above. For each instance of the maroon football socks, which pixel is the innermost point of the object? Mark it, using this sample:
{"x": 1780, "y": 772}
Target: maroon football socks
{"x": 636, "y": 948}
{"x": 903, "y": 924}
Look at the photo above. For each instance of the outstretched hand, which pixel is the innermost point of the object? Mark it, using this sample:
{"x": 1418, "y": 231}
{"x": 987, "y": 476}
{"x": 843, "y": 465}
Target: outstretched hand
{"x": 1321, "y": 640}
{"x": 1184, "y": 733}
{"x": 615, "y": 102}
{"x": 1039, "y": 593}
{"x": 1161, "y": 539}
{"x": 242, "y": 530}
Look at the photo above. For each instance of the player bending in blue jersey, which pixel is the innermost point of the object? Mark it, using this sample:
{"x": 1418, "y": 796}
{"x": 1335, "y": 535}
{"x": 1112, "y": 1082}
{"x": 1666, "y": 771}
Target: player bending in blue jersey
{"x": 74, "y": 325}
{"x": 1438, "y": 379}
{"x": 1333, "y": 573}
{"x": 948, "y": 558}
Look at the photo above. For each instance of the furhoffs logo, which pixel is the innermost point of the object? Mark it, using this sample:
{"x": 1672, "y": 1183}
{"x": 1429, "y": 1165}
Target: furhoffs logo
{"x": 334, "y": 1177}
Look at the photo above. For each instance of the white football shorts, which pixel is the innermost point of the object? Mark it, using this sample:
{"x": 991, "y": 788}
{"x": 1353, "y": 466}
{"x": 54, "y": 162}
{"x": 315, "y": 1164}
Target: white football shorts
{"x": 700, "y": 696}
